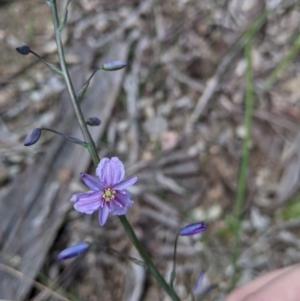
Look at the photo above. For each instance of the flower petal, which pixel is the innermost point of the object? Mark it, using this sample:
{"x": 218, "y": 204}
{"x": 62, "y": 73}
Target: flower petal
{"x": 103, "y": 214}
{"x": 125, "y": 183}
{"x": 75, "y": 197}
{"x": 110, "y": 171}
{"x": 123, "y": 198}
{"x": 92, "y": 182}
{"x": 116, "y": 209}
{"x": 89, "y": 203}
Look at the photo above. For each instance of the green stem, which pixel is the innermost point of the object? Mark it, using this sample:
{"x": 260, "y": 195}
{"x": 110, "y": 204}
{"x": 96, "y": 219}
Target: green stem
{"x": 94, "y": 155}
{"x": 282, "y": 65}
{"x": 50, "y": 66}
{"x": 245, "y": 157}
{"x": 156, "y": 274}
{"x": 173, "y": 273}
{"x": 69, "y": 138}
{"x": 85, "y": 132}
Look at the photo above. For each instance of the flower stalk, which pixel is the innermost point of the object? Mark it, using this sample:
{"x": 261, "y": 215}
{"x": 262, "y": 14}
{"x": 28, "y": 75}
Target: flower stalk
{"x": 173, "y": 273}
{"x": 149, "y": 263}
{"x": 94, "y": 155}
{"x": 85, "y": 132}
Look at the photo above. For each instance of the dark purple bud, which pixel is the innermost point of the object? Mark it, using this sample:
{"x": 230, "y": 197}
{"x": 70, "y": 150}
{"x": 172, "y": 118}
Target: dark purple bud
{"x": 113, "y": 65}
{"x": 23, "y": 49}
{"x": 32, "y": 137}
{"x": 192, "y": 229}
{"x": 73, "y": 251}
{"x": 93, "y": 121}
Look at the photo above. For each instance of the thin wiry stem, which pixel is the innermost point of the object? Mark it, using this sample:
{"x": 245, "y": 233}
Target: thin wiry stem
{"x": 245, "y": 157}
{"x": 85, "y": 132}
{"x": 173, "y": 273}
{"x": 152, "y": 268}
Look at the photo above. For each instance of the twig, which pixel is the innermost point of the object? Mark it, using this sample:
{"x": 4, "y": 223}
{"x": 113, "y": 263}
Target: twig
{"x": 184, "y": 79}
{"x": 213, "y": 83}
{"x": 295, "y": 223}
{"x": 125, "y": 25}
{"x": 271, "y": 118}
{"x": 38, "y": 285}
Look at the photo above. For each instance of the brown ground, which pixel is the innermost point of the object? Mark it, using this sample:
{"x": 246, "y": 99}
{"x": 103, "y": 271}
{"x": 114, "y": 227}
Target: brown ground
{"x": 175, "y": 116}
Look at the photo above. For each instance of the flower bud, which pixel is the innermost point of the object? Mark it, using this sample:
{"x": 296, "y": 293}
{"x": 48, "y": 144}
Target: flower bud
{"x": 113, "y": 65}
{"x": 192, "y": 229}
{"x": 23, "y": 49}
{"x": 32, "y": 137}
{"x": 93, "y": 121}
{"x": 73, "y": 251}
{"x": 200, "y": 284}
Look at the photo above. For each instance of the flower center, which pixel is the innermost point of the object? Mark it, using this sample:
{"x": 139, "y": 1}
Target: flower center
{"x": 108, "y": 194}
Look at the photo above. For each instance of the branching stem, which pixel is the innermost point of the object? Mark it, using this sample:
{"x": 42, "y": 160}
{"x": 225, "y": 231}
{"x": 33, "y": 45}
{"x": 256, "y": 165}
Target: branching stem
{"x": 94, "y": 155}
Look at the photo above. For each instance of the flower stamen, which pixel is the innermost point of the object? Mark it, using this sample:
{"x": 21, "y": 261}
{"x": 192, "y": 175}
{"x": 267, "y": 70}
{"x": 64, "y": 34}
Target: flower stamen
{"x": 108, "y": 194}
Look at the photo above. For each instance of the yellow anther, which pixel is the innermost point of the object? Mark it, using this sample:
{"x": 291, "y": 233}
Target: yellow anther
{"x": 108, "y": 194}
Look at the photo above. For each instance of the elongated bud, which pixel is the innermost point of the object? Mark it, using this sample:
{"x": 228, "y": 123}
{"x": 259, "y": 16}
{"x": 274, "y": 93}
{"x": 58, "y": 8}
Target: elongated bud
{"x": 73, "y": 251}
{"x": 200, "y": 284}
{"x": 23, "y": 49}
{"x": 113, "y": 65}
{"x": 32, "y": 137}
{"x": 192, "y": 229}
{"x": 93, "y": 121}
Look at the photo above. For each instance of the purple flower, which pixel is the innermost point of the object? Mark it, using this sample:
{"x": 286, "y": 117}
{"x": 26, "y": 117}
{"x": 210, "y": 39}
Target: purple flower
{"x": 73, "y": 251}
{"x": 108, "y": 192}
{"x": 192, "y": 229}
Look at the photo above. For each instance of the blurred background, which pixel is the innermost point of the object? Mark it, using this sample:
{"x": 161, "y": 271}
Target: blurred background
{"x": 175, "y": 116}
